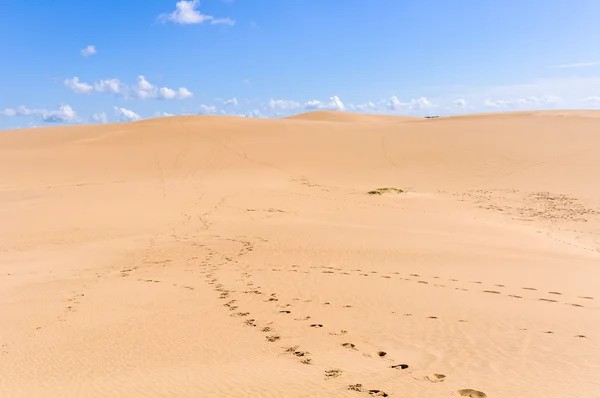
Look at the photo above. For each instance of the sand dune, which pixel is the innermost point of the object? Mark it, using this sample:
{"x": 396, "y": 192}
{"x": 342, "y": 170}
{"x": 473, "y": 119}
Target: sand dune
{"x": 211, "y": 256}
{"x": 347, "y": 117}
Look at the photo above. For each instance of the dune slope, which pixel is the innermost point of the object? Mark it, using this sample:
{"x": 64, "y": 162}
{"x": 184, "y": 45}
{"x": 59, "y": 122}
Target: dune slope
{"x": 210, "y": 256}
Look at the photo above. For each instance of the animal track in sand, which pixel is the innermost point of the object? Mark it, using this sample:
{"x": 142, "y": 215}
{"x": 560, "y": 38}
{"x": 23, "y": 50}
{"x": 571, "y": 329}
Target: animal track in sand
{"x": 499, "y": 285}
{"x": 586, "y": 297}
{"x": 381, "y": 354}
{"x": 273, "y": 338}
{"x": 350, "y": 346}
{"x": 266, "y": 329}
{"x": 316, "y": 325}
{"x": 306, "y": 318}
{"x": 514, "y": 295}
{"x": 475, "y": 282}
{"x": 468, "y": 392}
{"x": 492, "y": 291}
{"x": 333, "y": 373}
{"x": 529, "y": 288}
{"x": 436, "y": 377}
{"x": 417, "y": 275}
{"x": 386, "y": 276}
{"x": 249, "y": 322}
{"x": 401, "y": 366}
{"x": 576, "y": 305}
{"x": 432, "y": 317}
{"x": 423, "y": 282}
{"x": 557, "y": 293}
{"x": 581, "y": 336}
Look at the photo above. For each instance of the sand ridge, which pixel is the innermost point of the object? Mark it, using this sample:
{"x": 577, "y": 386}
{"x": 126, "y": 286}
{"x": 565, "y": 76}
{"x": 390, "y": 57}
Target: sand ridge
{"x": 213, "y": 256}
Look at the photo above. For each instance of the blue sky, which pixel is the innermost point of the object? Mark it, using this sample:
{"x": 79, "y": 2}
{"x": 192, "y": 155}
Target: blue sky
{"x": 96, "y": 61}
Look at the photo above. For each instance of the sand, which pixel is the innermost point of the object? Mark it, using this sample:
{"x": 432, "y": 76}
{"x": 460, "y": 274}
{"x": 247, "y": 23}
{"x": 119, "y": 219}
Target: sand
{"x": 230, "y": 257}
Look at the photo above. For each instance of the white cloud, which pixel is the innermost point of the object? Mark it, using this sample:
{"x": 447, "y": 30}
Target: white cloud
{"x": 223, "y": 21}
{"x": 64, "y": 114}
{"x": 369, "y": 106}
{"x": 89, "y": 50}
{"x": 460, "y": 103}
{"x": 187, "y": 13}
{"x": 283, "y": 104}
{"x": 20, "y": 111}
{"x": 61, "y": 115}
{"x": 523, "y": 102}
{"x": 394, "y": 104}
{"x": 126, "y": 115}
{"x": 100, "y": 117}
{"x": 578, "y": 65}
{"x": 334, "y": 104}
{"x": 79, "y": 87}
{"x": 163, "y": 114}
{"x": 233, "y": 101}
{"x": 146, "y": 90}
{"x": 207, "y": 110}
{"x": 143, "y": 89}
{"x": 594, "y": 99}
{"x": 108, "y": 86}
{"x": 252, "y": 114}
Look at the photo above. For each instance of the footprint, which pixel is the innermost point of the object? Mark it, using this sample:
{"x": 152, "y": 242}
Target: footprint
{"x": 492, "y": 291}
{"x": 386, "y": 276}
{"x": 341, "y": 333}
{"x": 316, "y": 325}
{"x": 468, "y": 392}
{"x": 475, "y": 282}
{"x": 355, "y": 387}
{"x": 306, "y": 318}
{"x": 548, "y": 300}
{"x": 514, "y": 295}
{"x": 558, "y": 293}
{"x": 581, "y": 336}
{"x": 586, "y": 297}
{"x": 576, "y": 305}
{"x": 285, "y": 312}
{"x": 417, "y": 275}
{"x": 399, "y": 366}
{"x": 529, "y": 288}
{"x": 350, "y": 346}
{"x": 333, "y": 373}
{"x": 381, "y": 354}
{"x": 273, "y": 338}
{"x": 423, "y": 282}
{"x": 378, "y": 393}
{"x": 499, "y": 285}
{"x": 266, "y": 329}
{"x": 250, "y": 322}
{"x": 436, "y": 378}
{"x": 432, "y": 317}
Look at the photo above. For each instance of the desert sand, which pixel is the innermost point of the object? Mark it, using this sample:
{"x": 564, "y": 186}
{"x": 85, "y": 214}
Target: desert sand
{"x": 205, "y": 256}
